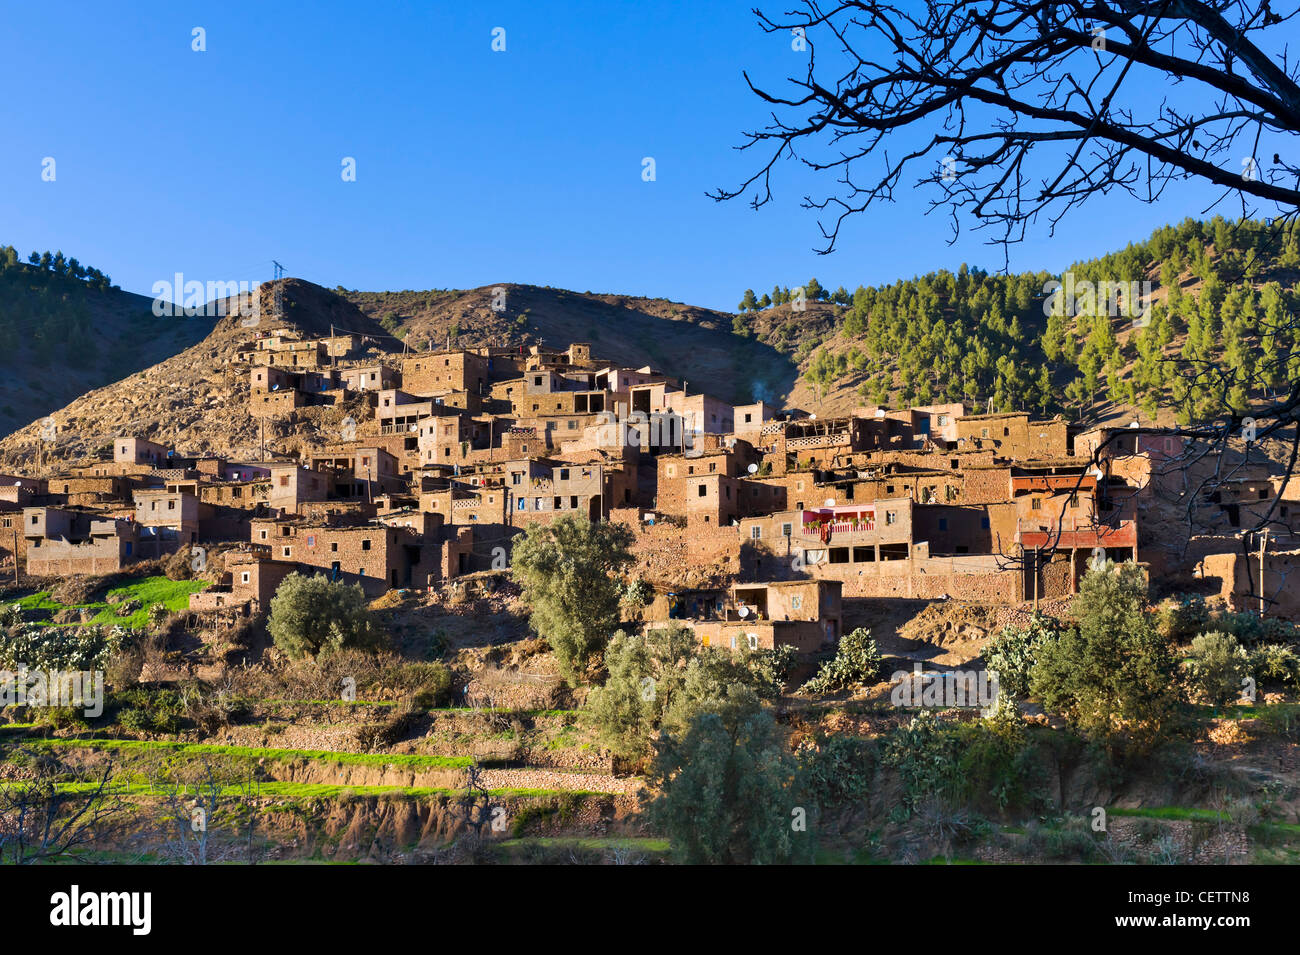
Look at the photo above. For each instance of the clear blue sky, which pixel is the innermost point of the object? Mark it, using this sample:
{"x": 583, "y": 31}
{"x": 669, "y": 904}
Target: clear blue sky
{"x": 473, "y": 167}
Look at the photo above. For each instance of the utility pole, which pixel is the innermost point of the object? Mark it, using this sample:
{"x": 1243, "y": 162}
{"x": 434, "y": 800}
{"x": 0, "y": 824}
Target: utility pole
{"x": 1264, "y": 543}
{"x": 16, "y": 555}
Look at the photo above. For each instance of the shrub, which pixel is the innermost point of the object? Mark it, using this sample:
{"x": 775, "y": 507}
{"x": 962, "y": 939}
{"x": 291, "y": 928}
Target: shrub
{"x": 1113, "y": 676}
{"x": 11, "y": 615}
{"x": 662, "y": 681}
{"x": 841, "y": 769}
{"x": 311, "y": 616}
{"x": 1216, "y": 668}
{"x": 856, "y": 663}
{"x": 567, "y": 570}
{"x": 1180, "y": 618}
{"x": 1272, "y": 663}
{"x": 638, "y": 593}
{"x": 1014, "y": 651}
{"x": 729, "y": 793}
{"x": 61, "y": 648}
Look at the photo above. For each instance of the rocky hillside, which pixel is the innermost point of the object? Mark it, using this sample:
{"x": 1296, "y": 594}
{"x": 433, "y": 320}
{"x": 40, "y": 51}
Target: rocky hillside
{"x": 196, "y": 399}
{"x": 60, "y": 337}
{"x": 697, "y": 344}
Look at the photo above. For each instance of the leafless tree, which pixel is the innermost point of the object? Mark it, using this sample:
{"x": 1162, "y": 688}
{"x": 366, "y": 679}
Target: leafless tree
{"x": 54, "y": 812}
{"x": 1016, "y": 108}
{"x": 191, "y": 800}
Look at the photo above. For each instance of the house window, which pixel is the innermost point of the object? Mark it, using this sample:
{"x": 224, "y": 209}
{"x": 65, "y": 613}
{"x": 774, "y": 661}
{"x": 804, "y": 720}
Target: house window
{"x": 334, "y": 546}
{"x": 1036, "y": 504}
{"x": 311, "y": 540}
{"x": 286, "y": 551}
{"x": 573, "y": 500}
{"x": 365, "y": 544}
{"x": 284, "y": 480}
{"x": 672, "y": 470}
{"x": 787, "y": 529}
{"x": 171, "y": 505}
{"x": 756, "y": 532}
{"x": 943, "y": 420}
{"x": 796, "y": 603}
{"x": 262, "y": 534}
{"x": 984, "y": 432}
{"x": 702, "y": 491}
{"x": 891, "y": 517}
{"x": 243, "y": 578}
{"x": 564, "y": 474}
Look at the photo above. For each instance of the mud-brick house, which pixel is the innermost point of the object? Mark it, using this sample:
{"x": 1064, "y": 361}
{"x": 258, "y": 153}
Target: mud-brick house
{"x": 377, "y": 556}
{"x": 139, "y": 451}
{"x": 804, "y": 614}
{"x": 359, "y": 472}
{"x": 293, "y": 485}
{"x": 62, "y": 542}
{"x": 247, "y": 586}
{"x": 169, "y": 519}
{"x": 440, "y": 373}
{"x": 12, "y": 541}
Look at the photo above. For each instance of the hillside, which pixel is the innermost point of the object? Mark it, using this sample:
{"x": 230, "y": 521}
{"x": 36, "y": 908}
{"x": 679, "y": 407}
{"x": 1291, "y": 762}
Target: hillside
{"x": 61, "y": 336}
{"x": 682, "y": 340}
{"x": 1215, "y": 293}
{"x": 1220, "y": 297}
{"x": 195, "y": 399}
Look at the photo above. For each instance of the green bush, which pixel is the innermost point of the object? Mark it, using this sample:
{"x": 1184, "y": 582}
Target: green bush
{"x": 1271, "y": 663}
{"x": 60, "y": 648}
{"x": 1014, "y": 651}
{"x": 567, "y": 570}
{"x": 857, "y": 662}
{"x": 841, "y": 769}
{"x": 729, "y": 793}
{"x": 1216, "y": 668}
{"x": 662, "y": 680}
{"x": 1113, "y": 677}
{"x": 311, "y": 616}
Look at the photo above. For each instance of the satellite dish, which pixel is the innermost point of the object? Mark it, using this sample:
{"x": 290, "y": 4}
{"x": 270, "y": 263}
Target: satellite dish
{"x": 743, "y": 612}
{"x": 1134, "y": 424}
{"x": 880, "y": 412}
{"x": 829, "y": 502}
{"x": 812, "y": 417}
{"x": 753, "y": 468}
{"x": 275, "y": 387}
{"x": 414, "y": 427}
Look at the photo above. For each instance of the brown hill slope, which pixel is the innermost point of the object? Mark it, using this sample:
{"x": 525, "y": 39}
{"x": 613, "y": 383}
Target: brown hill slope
{"x": 681, "y": 340}
{"x": 197, "y": 399}
{"x": 119, "y": 336}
